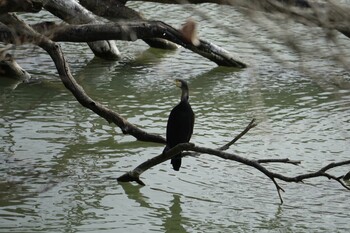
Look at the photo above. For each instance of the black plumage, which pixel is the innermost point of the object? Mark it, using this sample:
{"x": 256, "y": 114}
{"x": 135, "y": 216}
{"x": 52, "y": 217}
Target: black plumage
{"x": 180, "y": 124}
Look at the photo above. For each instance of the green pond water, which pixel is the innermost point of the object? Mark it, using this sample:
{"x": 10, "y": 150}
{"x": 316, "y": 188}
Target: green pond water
{"x": 57, "y": 158}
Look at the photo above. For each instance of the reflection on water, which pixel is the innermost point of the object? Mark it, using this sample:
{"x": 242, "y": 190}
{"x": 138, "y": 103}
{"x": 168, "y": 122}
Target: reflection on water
{"x": 59, "y": 161}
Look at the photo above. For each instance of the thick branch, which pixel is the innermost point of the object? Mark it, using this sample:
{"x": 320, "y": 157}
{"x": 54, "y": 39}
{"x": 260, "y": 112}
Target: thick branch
{"x": 141, "y": 30}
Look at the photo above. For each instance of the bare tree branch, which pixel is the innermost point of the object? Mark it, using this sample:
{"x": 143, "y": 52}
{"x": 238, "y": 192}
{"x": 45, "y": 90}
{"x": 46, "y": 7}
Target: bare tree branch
{"x": 251, "y": 125}
{"x": 138, "y": 30}
{"x": 134, "y": 175}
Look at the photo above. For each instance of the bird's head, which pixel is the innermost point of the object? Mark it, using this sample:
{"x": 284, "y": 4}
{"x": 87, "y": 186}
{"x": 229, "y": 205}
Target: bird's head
{"x": 184, "y": 87}
{"x": 181, "y": 83}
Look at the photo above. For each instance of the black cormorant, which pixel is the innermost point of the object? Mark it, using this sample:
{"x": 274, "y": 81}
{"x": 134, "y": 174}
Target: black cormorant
{"x": 180, "y": 124}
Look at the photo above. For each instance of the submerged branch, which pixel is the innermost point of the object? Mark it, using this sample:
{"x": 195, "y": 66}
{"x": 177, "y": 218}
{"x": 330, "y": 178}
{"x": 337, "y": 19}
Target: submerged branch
{"x": 9, "y": 67}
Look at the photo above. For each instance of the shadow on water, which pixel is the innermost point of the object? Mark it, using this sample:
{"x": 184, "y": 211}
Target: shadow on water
{"x": 172, "y": 218}
{"x": 8, "y": 84}
{"x": 147, "y": 58}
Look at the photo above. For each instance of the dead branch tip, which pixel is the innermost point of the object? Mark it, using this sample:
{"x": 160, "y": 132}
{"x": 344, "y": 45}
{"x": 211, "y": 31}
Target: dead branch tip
{"x": 129, "y": 177}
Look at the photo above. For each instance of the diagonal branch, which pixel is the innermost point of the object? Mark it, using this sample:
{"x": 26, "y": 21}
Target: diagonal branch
{"x": 278, "y": 188}
{"x": 251, "y": 125}
{"x": 134, "y": 175}
{"x": 20, "y": 6}
{"x": 22, "y": 30}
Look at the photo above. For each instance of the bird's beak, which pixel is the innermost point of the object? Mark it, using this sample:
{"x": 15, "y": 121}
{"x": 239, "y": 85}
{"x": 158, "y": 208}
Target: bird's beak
{"x": 178, "y": 83}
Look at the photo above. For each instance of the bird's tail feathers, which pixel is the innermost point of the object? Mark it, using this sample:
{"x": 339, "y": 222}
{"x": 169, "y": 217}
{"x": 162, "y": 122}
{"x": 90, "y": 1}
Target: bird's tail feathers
{"x": 176, "y": 162}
